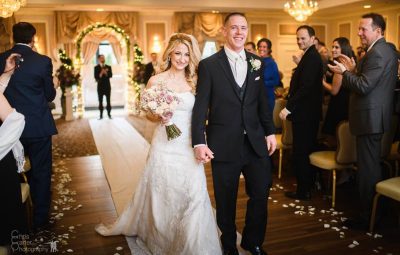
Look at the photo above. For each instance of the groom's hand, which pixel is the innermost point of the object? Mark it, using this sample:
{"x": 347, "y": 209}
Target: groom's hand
{"x": 271, "y": 144}
{"x": 203, "y": 154}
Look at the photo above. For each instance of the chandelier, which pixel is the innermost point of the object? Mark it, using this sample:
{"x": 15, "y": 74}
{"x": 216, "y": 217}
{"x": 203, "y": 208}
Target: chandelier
{"x": 300, "y": 10}
{"x": 8, "y": 7}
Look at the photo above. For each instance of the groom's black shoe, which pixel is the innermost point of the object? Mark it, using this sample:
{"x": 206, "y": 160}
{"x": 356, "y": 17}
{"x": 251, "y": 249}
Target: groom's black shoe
{"x": 231, "y": 251}
{"x": 254, "y": 250}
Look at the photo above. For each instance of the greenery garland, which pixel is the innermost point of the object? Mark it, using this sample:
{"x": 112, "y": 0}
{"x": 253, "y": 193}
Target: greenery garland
{"x": 137, "y": 80}
{"x": 139, "y": 57}
{"x": 91, "y": 28}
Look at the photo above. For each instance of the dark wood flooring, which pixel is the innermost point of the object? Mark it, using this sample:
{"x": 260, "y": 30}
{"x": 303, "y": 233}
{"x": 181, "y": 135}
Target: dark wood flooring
{"x": 288, "y": 233}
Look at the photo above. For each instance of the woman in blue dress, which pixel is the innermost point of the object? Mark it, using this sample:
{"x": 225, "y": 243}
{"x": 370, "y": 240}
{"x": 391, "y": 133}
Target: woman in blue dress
{"x": 271, "y": 73}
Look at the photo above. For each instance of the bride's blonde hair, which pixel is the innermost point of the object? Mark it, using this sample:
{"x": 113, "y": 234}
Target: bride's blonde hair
{"x": 194, "y": 56}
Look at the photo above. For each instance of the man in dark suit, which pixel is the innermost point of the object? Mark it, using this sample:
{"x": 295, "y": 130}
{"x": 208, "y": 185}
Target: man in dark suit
{"x": 29, "y": 91}
{"x": 240, "y": 134}
{"x": 102, "y": 74}
{"x": 151, "y": 67}
{"x": 372, "y": 87}
{"x": 304, "y": 108}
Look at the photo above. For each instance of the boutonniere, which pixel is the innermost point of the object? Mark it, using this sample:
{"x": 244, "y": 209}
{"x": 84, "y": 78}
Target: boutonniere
{"x": 255, "y": 64}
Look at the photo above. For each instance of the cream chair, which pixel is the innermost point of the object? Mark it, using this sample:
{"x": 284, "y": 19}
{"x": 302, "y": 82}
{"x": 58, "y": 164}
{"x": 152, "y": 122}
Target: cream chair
{"x": 279, "y": 105}
{"x": 394, "y": 156}
{"x": 284, "y": 141}
{"x": 389, "y": 188}
{"x": 389, "y": 151}
{"x": 343, "y": 158}
{"x": 4, "y": 250}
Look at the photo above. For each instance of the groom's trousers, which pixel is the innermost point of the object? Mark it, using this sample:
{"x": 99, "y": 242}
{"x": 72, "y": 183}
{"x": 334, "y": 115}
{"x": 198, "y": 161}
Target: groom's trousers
{"x": 258, "y": 180}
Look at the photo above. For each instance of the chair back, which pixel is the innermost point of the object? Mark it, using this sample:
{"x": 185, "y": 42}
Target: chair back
{"x": 279, "y": 105}
{"x": 388, "y": 137}
{"x": 287, "y": 133}
{"x": 346, "y": 152}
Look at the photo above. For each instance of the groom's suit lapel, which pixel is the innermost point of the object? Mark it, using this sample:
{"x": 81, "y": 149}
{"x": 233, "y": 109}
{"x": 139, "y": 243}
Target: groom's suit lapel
{"x": 224, "y": 63}
{"x": 249, "y": 77}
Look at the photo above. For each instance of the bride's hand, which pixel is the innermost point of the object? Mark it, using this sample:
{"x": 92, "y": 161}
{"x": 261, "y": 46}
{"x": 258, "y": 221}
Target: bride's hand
{"x": 152, "y": 117}
{"x": 166, "y": 117}
{"x": 165, "y": 120}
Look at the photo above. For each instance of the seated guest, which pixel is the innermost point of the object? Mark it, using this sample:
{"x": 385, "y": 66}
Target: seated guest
{"x": 11, "y": 160}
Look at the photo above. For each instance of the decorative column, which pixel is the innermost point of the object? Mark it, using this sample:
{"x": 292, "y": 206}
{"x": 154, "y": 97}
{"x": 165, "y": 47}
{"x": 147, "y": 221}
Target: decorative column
{"x": 68, "y": 104}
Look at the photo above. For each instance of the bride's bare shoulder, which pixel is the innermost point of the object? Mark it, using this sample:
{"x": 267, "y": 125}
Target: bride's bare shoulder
{"x": 156, "y": 79}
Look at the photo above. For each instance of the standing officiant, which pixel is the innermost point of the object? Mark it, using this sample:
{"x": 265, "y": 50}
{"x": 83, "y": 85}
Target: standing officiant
{"x": 102, "y": 74}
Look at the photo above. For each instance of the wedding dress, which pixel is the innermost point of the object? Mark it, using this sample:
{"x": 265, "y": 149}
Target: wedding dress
{"x": 170, "y": 212}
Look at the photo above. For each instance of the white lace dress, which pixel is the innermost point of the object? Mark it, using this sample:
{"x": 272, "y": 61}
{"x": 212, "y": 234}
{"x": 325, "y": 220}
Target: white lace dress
{"x": 170, "y": 212}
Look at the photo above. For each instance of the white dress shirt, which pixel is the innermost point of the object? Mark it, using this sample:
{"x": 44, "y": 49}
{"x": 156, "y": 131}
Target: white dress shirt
{"x": 238, "y": 64}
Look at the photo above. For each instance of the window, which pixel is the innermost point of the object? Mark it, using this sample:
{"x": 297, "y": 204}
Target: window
{"x": 210, "y": 48}
{"x": 105, "y": 49}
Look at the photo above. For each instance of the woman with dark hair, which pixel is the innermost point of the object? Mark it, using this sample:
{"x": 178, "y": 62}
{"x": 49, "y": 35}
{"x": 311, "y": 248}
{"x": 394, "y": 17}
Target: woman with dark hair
{"x": 339, "y": 102}
{"x": 271, "y": 73}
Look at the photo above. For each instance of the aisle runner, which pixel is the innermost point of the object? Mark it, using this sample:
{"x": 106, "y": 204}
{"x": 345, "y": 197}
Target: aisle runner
{"x": 123, "y": 152}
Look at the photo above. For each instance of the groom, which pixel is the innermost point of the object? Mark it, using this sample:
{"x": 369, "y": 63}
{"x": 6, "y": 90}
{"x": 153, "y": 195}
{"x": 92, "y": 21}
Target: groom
{"x": 240, "y": 134}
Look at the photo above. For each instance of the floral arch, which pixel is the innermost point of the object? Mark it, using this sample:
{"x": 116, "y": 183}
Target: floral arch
{"x": 78, "y": 59}
{"x": 91, "y": 28}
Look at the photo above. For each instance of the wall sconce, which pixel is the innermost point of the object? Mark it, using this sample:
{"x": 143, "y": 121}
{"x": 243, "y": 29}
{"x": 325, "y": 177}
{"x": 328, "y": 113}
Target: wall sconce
{"x": 156, "y": 44}
{"x": 36, "y": 44}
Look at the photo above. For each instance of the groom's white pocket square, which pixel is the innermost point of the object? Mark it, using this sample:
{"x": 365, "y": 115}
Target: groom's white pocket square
{"x": 257, "y": 78}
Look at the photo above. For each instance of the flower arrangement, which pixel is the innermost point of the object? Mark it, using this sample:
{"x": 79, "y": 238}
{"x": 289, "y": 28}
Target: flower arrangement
{"x": 255, "y": 64}
{"x": 162, "y": 102}
{"x": 66, "y": 73}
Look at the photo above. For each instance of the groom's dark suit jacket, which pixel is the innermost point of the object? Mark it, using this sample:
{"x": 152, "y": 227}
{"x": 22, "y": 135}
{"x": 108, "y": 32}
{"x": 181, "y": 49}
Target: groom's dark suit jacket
{"x": 30, "y": 90}
{"x": 218, "y": 101}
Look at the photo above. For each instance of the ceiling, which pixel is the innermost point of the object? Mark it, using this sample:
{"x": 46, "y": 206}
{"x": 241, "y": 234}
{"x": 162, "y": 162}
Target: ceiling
{"x": 327, "y": 7}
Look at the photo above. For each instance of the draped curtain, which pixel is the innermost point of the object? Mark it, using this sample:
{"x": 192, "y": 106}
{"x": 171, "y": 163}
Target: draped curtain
{"x": 70, "y": 24}
{"x": 6, "y": 33}
{"x": 91, "y": 42}
{"x": 203, "y": 26}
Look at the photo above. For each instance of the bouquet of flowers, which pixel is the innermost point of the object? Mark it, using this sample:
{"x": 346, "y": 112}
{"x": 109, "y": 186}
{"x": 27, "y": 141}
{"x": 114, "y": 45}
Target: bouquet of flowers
{"x": 161, "y": 101}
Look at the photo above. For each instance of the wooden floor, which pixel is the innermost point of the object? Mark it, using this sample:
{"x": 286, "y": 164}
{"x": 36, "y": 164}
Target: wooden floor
{"x": 288, "y": 233}
{"x": 93, "y": 193}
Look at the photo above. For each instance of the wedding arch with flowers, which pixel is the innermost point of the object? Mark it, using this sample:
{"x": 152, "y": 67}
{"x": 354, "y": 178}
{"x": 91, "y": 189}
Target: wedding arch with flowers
{"x": 124, "y": 41}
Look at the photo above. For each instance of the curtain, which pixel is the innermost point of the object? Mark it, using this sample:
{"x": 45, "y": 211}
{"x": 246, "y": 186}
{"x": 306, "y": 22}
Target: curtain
{"x": 6, "y": 33}
{"x": 70, "y": 49}
{"x": 89, "y": 49}
{"x": 69, "y": 24}
{"x": 95, "y": 38}
{"x": 116, "y": 46}
{"x": 203, "y": 26}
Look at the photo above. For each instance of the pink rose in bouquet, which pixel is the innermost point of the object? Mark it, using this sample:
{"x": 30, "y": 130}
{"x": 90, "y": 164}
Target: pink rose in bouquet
{"x": 161, "y": 101}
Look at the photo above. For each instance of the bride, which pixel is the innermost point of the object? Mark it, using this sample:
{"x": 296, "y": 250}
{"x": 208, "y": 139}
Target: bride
{"x": 170, "y": 212}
